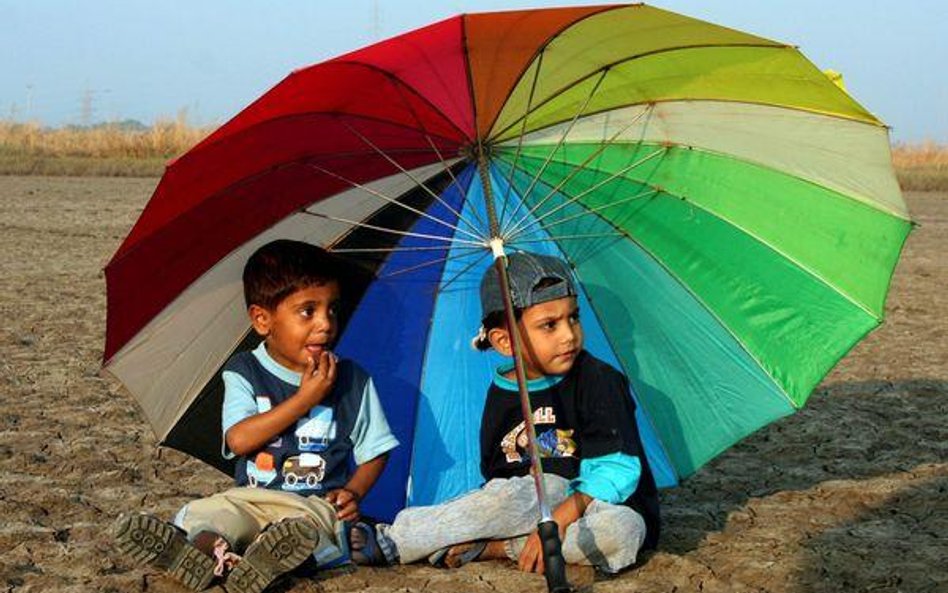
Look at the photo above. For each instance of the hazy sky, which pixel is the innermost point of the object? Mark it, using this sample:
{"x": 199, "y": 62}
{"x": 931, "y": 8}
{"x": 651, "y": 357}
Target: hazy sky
{"x": 73, "y": 61}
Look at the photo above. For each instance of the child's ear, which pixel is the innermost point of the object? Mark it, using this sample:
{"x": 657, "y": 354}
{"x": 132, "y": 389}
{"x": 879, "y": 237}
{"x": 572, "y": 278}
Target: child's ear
{"x": 260, "y": 319}
{"x": 500, "y": 341}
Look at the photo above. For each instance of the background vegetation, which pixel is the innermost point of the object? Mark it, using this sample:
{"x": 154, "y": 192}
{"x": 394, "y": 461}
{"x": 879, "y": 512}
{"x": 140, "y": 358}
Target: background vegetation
{"x": 921, "y": 167}
{"x": 115, "y": 149}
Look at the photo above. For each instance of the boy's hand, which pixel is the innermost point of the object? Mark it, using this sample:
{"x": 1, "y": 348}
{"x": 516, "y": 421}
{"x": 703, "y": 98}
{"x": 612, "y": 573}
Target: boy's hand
{"x": 565, "y": 514}
{"x": 531, "y": 556}
{"x": 318, "y": 377}
{"x": 346, "y": 503}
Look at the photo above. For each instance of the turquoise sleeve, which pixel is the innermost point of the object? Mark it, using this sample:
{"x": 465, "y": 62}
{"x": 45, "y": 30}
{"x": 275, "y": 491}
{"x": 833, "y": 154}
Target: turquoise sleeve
{"x": 610, "y": 478}
{"x": 239, "y": 403}
{"x": 371, "y": 435}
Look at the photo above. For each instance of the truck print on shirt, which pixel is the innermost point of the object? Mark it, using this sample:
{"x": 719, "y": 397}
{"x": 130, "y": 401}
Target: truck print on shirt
{"x": 303, "y": 472}
{"x": 316, "y": 431}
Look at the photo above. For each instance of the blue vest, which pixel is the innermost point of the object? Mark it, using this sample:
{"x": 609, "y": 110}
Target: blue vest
{"x": 313, "y": 456}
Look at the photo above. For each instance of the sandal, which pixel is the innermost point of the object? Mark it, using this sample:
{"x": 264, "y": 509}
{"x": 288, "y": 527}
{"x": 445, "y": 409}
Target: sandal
{"x": 280, "y": 548}
{"x": 472, "y": 553}
{"x": 149, "y": 540}
{"x": 371, "y": 553}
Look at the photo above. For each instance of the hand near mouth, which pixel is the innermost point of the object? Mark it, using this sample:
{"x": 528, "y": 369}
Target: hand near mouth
{"x": 318, "y": 354}
{"x": 318, "y": 378}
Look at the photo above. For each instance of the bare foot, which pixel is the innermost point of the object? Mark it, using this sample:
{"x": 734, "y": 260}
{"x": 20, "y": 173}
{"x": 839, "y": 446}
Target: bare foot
{"x": 495, "y": 550}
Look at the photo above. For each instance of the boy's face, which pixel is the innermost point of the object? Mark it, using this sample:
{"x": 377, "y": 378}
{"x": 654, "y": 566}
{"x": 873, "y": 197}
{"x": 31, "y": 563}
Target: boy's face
{"x": 551, "y": 334}
{"x": 302, "y": 325}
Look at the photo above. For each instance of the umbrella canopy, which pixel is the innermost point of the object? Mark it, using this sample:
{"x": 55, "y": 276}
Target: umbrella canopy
{"x": 731, "y": 214}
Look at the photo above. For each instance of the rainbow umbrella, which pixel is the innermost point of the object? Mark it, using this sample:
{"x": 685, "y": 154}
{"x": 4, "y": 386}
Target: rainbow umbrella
{"x": 731, "y": 214}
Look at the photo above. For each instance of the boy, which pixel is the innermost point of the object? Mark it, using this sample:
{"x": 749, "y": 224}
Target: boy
{"x": 294, "y": 416}
{"x": 596, "y": 475}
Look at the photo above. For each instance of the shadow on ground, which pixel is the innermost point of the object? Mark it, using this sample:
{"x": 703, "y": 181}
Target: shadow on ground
{"x": 847, "y": 431}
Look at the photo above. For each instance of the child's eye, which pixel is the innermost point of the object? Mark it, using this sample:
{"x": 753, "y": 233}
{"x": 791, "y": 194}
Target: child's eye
{"x": 334, "y": 310}
{"x": 307, "y": 311}
{"x": 574, "y": 317}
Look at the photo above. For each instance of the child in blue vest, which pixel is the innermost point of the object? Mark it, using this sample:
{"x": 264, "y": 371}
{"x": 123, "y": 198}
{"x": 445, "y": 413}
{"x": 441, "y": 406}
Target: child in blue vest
{"x": 295, "y": 417}
{"x": 596, "y": 475}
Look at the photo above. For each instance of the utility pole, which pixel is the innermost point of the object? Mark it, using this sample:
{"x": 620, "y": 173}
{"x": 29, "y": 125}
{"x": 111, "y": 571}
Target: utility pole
{"x": 29, "y": 102}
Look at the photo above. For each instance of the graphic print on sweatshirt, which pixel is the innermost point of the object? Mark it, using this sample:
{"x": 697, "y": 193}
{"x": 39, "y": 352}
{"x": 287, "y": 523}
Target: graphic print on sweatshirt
{"x": 551, "y": 442}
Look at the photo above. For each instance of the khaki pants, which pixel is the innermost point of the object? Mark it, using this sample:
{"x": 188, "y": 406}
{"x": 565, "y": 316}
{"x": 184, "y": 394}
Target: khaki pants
{"x": 240, "y": 514}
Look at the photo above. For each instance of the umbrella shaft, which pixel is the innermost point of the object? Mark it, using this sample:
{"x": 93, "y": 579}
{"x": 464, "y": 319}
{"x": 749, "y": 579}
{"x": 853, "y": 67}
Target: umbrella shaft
{"x": 484, "y": 172}
{"x": 536, "y": 468}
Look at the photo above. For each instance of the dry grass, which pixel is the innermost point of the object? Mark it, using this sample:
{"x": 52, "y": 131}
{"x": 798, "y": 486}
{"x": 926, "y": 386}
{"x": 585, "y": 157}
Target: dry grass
{"x": 114, "y": 150}
{"x": 921, "y": 167}
{"x": 106, "y": 149}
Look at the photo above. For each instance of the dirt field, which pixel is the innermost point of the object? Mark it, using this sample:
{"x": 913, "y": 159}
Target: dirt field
{"x": 851, "y": 494}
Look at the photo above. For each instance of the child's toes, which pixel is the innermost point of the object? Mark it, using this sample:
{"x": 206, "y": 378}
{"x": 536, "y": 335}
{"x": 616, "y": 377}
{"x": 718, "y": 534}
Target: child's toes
{"x": 356, "y": 539}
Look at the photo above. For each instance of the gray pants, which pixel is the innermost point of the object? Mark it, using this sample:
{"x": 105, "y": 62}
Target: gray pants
{"x": 607, "y": 536}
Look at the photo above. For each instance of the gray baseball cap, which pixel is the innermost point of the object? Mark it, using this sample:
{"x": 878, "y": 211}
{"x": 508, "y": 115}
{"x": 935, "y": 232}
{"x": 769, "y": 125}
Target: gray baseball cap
{"x": 526, "y": 271}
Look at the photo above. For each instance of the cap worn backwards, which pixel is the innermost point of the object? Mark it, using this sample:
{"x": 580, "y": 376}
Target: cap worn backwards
{"x": 530, "y": 276}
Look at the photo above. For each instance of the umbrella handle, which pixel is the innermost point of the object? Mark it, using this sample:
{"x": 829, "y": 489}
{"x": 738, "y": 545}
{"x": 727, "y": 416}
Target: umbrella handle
{"x": 554, "y": 566}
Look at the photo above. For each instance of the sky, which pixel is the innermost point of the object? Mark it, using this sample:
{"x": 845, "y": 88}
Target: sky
{"x": 85, "y": 61}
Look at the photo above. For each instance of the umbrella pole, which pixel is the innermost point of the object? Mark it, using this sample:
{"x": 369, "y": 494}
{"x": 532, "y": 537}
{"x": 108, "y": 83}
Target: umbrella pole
{"x": 554, "y": 566}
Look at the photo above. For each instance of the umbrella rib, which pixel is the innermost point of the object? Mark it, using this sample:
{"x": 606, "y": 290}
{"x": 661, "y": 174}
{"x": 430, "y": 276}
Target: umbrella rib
{"x": 697, "y": 298}
{"x": 559, "y": 143}
{"x": 659, "y": 189}
{"x": 318, "y": 112}
{"x": 599, "y": 150}
{"x": 654, "y": 190}
{"x": 417, "y": 181}
{"x": 622, "y": 233}
{"x": 391, "y": 200}
{"x": 428, "y": 264}
{"x": 400, "y": 83}
{"x": 518, "y": 231}
{"x": 555, "y": 238}
{"x": 374, "y": 227}
{"x": 585, "y": 212}
{"x": 554, "y": 94}
{"x": 815, "y": 274}
{"x": 523, "y": 128}
{"x": 454, "y": 179}
{"x": 554, "y": 34}
{"x": 463, "y": 271}
{"x": 457, "y": 184}
{"x": 395, "y": 249}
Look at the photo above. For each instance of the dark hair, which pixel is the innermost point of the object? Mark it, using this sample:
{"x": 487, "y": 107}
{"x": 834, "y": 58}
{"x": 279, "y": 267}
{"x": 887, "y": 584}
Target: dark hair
{"x": 493, "y": 320}
{"x": 281, "y": 267}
